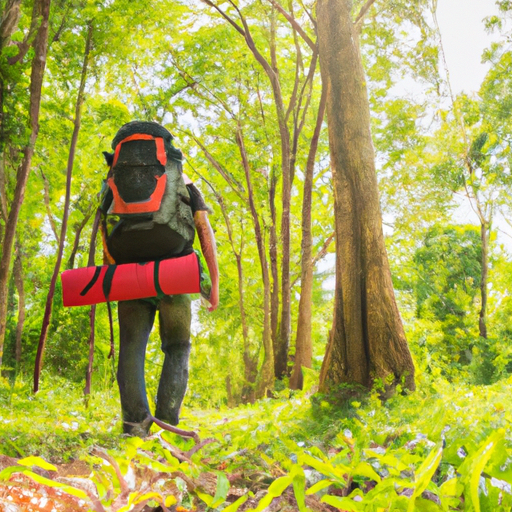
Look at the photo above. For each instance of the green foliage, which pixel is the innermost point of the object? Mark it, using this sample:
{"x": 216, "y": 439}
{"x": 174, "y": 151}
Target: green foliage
{"x": 281, "y": 451}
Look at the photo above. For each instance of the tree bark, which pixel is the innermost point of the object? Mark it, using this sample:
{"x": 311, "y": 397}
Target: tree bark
{"x": 92, "y": 314}
{"x": 273, "y": 255}
{"x": 367, "y": 342}
{"x": 65, "y": 216}
{"x": 265, "y": 379}
{"x": 78, "y": 231}
{"x": 9, "y": 23}
{"x": 303, "y": 346}
{"x": 482, "y": 318}
{"x": 36, "y": 82}
{"x": 18, "y": 282}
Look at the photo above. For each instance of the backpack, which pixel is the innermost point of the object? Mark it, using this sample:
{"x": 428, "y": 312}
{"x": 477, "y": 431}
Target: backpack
{"x": 147, "y": 193}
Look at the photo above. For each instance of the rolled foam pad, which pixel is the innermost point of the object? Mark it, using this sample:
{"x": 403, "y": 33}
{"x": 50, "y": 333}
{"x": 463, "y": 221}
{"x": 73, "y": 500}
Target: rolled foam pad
{"x": 92, "y": 285}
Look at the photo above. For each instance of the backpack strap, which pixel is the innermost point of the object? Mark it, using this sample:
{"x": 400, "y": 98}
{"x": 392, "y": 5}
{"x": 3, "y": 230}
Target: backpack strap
{"x": 161, "y": 155}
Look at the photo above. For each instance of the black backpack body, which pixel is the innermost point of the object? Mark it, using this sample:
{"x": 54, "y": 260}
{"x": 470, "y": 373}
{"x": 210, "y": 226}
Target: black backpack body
{"x": 147, "y": 194}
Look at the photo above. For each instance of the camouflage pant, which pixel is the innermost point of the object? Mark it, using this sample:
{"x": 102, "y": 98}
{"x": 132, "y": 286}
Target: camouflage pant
{"x": 136, "y": 319}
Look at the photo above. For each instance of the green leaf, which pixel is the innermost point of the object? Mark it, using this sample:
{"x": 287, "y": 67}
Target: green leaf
{"x": 366, "y": 470}
{"x": 474, "y": 464}
{"x": 299, "y": 486}
{"x": 424, "y": 474}
{"x": 337, "y": 472}
{"x": 6, "y": 473}
{"x": 319, "y": 486}
{"x": 343, "y": 503}
{"x": 222, "y": 490}
{"x": 205, "y": 497}
{"x": 237, "y": 504}
{"x": 277, "y": 487}
{"x": 37, "y": 461}
{"x": 58, "y": 485}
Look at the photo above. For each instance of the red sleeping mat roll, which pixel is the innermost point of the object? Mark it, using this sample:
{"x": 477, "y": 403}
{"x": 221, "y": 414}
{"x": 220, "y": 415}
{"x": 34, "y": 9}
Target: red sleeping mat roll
{"x": 91, "y": 285}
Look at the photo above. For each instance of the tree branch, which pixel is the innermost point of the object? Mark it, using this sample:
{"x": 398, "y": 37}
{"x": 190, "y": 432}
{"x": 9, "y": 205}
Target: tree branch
{"x": 320, "y": 254}
{"x": 294, "y": 24}
{"x": 237, "y": 27}
{"x": 362, "y": 13}
{"x": 232, "y": 182}
{"x": 46, "y": 189}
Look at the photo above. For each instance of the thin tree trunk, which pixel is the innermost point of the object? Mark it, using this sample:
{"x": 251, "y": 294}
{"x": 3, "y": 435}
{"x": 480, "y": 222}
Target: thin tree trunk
{"x": 482, "y": 320}
{"x": 65, "y": 216}
{"x": 273, "y": 255}
{"x": 250, "y": 359}
{"x": 9, "y": 23}
{"x": 46, "y": 196}
{"x": 18, "y": 281}
{"x": 92, "y": 314}
{"x": 265, "y": 379}
{"x": 78, "y": 231}
{"x": 36, "y": 82}
{"x": 367, "y": 343}
{"x": 303, "y": 347}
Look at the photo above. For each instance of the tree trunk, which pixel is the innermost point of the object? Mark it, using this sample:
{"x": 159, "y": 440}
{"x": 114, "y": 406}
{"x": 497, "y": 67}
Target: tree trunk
{"x": 92, "y": 314}
{"x": 36, "y": 82}
{"x": 9, "y": 23}
{"x": 265, "y": 379}
{"x": 273, "y": 252}
{"x": 18, "y": 281}
{"x": 303, "y": 348}
{"x": 65, "y": 216}
{"x": 78, "y": 231}
{"x": 250, "y": 358}
{"x": 482, "y": 320}
{"x": 367, "y": 342}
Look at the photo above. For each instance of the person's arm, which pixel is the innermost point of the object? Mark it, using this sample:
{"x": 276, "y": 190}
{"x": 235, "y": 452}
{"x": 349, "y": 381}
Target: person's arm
{"x": 209, "y": 250}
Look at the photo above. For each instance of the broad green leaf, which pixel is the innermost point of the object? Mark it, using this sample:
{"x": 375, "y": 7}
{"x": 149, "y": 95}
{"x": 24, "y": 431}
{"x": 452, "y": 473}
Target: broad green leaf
{"x": 299, "y": 486}
{"x": 6, "y": 473}
{"x": 425, "y": 473}
{"x": 423, "y": 505}
{"x": 451, "y": 487}
{"x": 37, "y": 461}
{"x": 474, "y": 464}
{"x": 343, "y": 503}
{"x": 319, "y": 486}
{"x": 277, "y": 487}
{"x": 366, "y": 470}
{"x": 205, "y": 497}
{"x": 237, "y": 504}
{"x": 222, "y": 490}
{"x": 337, "y": 472}
{"x": 58, "y": 485}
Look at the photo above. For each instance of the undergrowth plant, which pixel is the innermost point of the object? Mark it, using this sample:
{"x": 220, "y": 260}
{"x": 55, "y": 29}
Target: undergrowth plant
{"x": 441, "y": 448}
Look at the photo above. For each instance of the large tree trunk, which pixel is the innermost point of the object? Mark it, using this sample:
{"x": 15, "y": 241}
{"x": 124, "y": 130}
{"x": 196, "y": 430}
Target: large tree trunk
{"x": 65, "y": 215}
{"x": 303, "y": 348}
{"x": 367, "y": 340}
{"x": 42, "y": 12}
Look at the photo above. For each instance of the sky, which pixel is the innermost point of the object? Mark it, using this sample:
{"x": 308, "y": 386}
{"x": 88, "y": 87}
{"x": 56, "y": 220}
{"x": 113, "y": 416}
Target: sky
{"x": 464, "y": 39}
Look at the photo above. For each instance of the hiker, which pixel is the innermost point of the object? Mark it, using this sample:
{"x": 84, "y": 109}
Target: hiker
{"x": 159, "y": 211}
